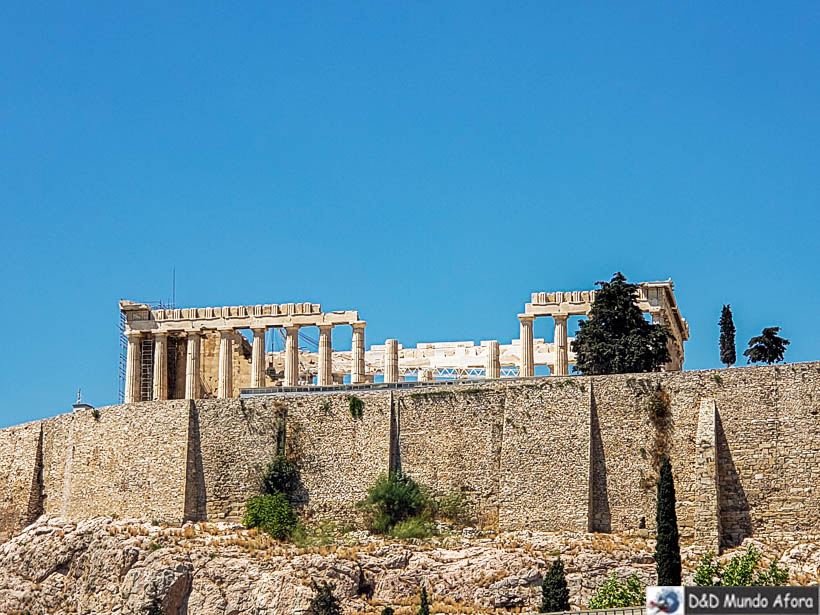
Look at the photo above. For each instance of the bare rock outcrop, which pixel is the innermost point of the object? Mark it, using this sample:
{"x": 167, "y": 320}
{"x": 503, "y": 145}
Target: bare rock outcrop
{"x": 129, "y": 567}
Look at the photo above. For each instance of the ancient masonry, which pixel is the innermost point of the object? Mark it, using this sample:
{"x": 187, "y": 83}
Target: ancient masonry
{"x": 555, "y": 453}
{"x": 196, "y": 353}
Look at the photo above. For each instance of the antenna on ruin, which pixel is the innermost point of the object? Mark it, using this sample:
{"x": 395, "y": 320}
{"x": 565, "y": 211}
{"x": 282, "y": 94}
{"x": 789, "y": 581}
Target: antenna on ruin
{"x": 174, "y": 287}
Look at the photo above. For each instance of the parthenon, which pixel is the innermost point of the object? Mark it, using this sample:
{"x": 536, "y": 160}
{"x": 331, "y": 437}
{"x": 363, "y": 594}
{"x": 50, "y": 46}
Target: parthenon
{"x": 190, "y": 353}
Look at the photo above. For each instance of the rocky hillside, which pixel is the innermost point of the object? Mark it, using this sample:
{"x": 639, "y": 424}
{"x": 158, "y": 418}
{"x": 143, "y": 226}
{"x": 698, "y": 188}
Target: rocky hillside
{"x": 129, "y": 567}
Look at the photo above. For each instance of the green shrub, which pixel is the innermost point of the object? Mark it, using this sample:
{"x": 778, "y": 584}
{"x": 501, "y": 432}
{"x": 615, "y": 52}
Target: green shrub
{"x": 280, "y": 477}
{"x": 393, "y": 497}
{"x": 95, "y": 412}
{"x": 414, "y": 527}
{"x": 315, "y": 535}
{"x": 271, "y": 514}
{"x": 741, "y": 571}
{"x": 323, "y": 601}
{"x": 388, "y": 610}
{"x": 356, "y": 406}
{"x": 615, "y": 594}
{"x": 453, "y": 507}
{"x": 554, "y": 590}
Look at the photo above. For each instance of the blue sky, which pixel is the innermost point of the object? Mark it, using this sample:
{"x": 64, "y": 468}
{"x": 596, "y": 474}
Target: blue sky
{"x": 429, "y": 164}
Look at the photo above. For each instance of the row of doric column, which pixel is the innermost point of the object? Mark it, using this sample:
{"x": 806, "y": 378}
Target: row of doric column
{"x": 225, "y": 364}
{"x": 527, "y": 366}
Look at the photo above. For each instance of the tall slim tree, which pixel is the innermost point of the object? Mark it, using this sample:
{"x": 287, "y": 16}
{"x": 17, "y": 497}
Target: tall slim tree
{"x": 424, "y": 603}
{"x": 728, "y": 354}
{"x": 323, "y": 601}
{"x": 617, "y": 339}
{"x": 768, "y": 347}
{"x": 554, "y": 590}
{"x": 667, "y": 549}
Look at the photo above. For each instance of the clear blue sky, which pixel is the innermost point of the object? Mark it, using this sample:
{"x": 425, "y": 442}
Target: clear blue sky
{"x": 429, "y": 164}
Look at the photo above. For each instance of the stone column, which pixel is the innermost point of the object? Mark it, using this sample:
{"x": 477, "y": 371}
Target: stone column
{"x": 225, "y": 384}
{"x": 560, "y": 345}
{"x": 192, "y": 366}
{"x": 493, "y": 367}
{"x": 258, "y": 358}
{"x": 132, "y": 369}
{"x": 391, "y": 361}
{"x": 425, "y": 375}
{"x": 527, "y": 367}
{"x": 357, "y": 354}
{"x": 292, "y": 356}
{"x": 160, "y": 365}
{"x": 325, "y": 377}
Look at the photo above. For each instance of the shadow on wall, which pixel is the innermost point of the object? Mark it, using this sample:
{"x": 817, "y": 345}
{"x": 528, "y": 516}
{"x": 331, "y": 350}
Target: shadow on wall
{"x": 735, "y": 520}
{"x": 600, "y": 516}
{"x": 196, "y": 508}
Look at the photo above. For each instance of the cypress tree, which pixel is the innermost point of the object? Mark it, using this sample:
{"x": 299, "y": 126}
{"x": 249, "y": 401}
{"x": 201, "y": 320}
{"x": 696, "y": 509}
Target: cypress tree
{"x": 617, "y": 339}
{"x": 667, "y": 549}
{"x": 554, "y": 590}
{"x": 728, "y": 354}
{"x": 424, "y": 605}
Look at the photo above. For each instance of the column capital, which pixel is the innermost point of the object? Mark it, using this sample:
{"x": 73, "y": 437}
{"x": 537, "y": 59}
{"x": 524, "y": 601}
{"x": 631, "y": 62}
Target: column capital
{"x": 133, "y": 334}
{"x": 160, "y": 334}
{"x": 290, "y": 328}
{"x": 325, "y": 327}
{"x": 561, "y": 317}
{"x": 526, "y": 317}
{"x": 259, "y": 330}
{"x": 359, "y": 324}
{"x": 192, "y": 334}
{"x": 225, "y": 330}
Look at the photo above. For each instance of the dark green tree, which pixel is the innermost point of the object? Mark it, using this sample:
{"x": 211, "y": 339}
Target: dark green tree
{"x": 280, "y": 477}
{"x": 667, "y": 549}
{"x": 768, "y": 347}
{"x": 554, "y": 590}
{"x": 388, "y": 610}
{"x": 728, "y": 354}
{"x": 617, "y": 339}
{"x": 424, "y": 604}
{"x": 323, "y": 601}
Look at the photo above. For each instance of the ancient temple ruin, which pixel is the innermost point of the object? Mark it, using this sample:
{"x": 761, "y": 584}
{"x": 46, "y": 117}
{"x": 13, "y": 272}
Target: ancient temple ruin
{"x": 193, "y": 353}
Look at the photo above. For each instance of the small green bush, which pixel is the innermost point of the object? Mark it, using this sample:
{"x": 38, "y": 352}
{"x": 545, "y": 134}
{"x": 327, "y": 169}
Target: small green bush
{"x": 271, "y": 514}
{"x": 356, "y": 406}
{"x": 741, "y": 571}
{"x": 95, "y": 412}
{"x": 323, "y": 601}
{"x": 388, "y": 610}
{"x": 280, "y": 477}
{"x": 393, "y": 497}
{"x": 414, "y": 527}
{"x": 615, "y": 594}
{"x": 453, "y": 507}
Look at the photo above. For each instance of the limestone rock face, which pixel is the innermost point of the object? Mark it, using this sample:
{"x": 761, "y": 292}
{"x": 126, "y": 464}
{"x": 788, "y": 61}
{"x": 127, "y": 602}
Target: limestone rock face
{"x": 129, "y": 567}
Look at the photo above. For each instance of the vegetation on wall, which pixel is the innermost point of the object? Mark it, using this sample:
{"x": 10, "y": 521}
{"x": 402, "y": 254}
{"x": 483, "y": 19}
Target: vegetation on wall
{"x": 424, "y": 602}
{"x": 728, "y": 354}
{"x": 280, "y": 476}
{"x": 356, "y": 406}
{"x": 667, "y": 548}
{"x": 554, "y": 590}
{"x": 768, "y": 347}
{"x": 743, "y": 570}
{"x": 617, "y": 339}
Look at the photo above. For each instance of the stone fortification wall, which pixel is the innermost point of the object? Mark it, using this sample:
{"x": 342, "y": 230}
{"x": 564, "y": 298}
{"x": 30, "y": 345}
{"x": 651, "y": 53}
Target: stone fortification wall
{"x": 20, "y": 476}
{"x": 547, "y": 453}
{"x": 338, "y": 455}
{"x": 544, "y": 465}
{"x": 450, "y": 440}
{"x": 232, "y": 441}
